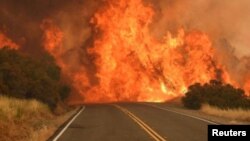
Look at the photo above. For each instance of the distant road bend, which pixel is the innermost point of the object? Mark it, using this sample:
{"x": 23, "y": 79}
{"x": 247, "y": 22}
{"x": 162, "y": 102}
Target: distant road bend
{"x": 133, "y": 122}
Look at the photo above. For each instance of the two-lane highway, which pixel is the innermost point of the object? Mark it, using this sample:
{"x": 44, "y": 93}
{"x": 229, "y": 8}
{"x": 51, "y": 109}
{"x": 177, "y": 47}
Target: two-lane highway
{"x": 133, "y": 122}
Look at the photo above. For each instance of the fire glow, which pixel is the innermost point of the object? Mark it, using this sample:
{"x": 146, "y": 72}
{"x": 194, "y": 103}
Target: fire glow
{"x": 5, "y": 41}
{"x": 131, "y": 64}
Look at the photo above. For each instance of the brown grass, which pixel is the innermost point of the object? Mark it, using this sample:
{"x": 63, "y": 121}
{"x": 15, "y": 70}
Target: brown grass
{"x": 232, "y": 114}
{"x": 27, "y": 120}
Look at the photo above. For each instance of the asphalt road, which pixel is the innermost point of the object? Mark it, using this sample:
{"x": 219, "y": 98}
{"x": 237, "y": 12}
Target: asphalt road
{"x": 133, "y": 122}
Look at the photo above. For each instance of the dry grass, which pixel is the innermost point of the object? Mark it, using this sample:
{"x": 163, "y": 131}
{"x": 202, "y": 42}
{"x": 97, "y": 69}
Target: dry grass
{"x": 27, "y": 120}
{"x": 232, "y": 114}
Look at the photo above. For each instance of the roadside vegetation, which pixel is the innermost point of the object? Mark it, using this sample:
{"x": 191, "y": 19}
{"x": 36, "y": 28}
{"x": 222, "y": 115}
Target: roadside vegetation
{"x": 27, "y": 120}
{"x": 216, "y": 98}
{"x": 217, "y": 94}
{"x": 232, "y": 114}
{"x": 32, "y": 97}
{"x": 27, "y": 78}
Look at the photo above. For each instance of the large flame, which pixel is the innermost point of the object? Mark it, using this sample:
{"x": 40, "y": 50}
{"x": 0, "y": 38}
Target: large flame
{"x": 134, "y": 66}
{"x": 131, "y": 64}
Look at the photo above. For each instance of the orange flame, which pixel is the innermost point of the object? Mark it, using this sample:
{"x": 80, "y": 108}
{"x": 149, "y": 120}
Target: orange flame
{"x": 53, "y": 37}
{"x": 53, "y": 43}
{"x": 131, "y": 64}
{"x": 6, "y": 42}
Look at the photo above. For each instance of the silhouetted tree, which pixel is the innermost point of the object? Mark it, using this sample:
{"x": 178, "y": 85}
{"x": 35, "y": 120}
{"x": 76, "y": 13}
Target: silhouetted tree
{"x": 24, "y": 77}
{"x": 217, "y": 94}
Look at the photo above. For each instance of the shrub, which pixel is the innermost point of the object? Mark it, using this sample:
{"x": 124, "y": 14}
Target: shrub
{"x": 64, "y": 92}
{"x": 215, "y": 93}
{"x": 24, "y": 77}
{"x": 192, "y": 101}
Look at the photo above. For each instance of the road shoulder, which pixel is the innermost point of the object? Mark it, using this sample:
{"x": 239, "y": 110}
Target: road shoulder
{"x": 196, "y": 113}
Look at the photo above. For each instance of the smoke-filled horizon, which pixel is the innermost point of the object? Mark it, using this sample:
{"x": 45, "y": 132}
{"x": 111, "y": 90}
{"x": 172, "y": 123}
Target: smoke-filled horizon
{"x": 73, "y": 26}
{"x": 223, "y": 19}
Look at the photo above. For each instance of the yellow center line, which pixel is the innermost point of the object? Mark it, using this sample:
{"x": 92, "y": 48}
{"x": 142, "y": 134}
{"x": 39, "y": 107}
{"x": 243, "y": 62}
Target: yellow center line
{"x": 139, "y": 123}
{"x": 142, "y": 124}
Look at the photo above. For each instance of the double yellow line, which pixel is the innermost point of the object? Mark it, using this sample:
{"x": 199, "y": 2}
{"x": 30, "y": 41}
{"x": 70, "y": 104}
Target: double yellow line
{"x": 144, "y": 126}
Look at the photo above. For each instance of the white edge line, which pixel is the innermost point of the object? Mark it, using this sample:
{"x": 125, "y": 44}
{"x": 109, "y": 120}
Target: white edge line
{"x": 63, "y": 130}
{"x": 211, "y": 122}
